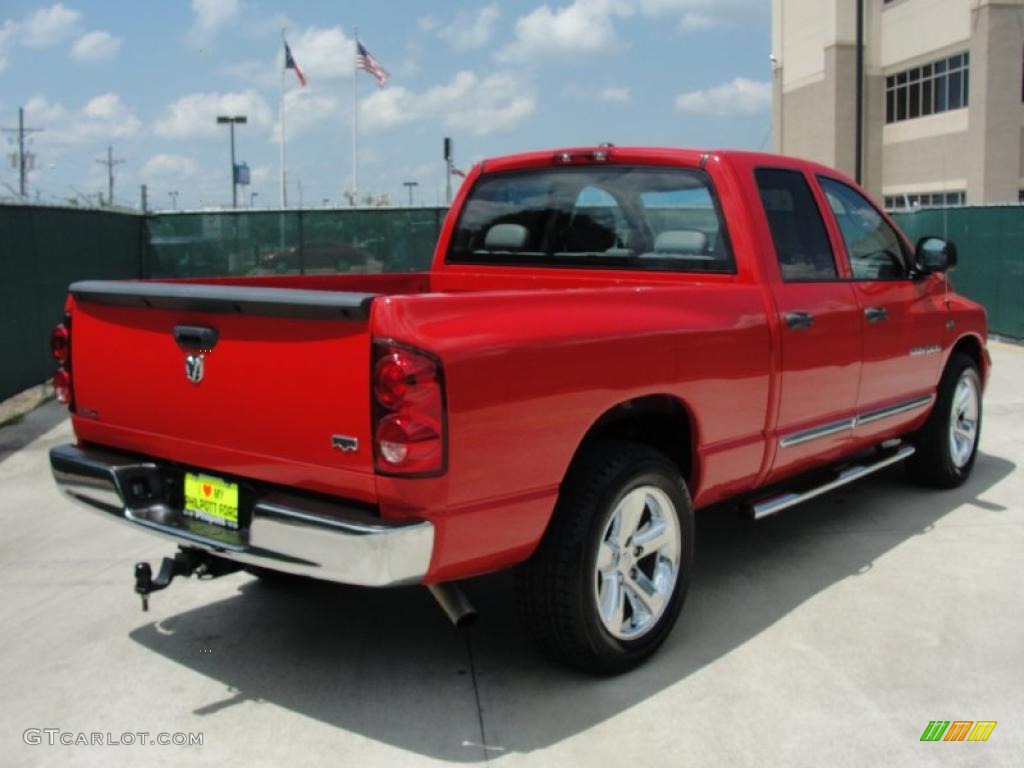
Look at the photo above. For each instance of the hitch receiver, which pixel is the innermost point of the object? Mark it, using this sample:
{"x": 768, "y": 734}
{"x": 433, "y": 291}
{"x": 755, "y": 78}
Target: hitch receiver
{"x": 184, "y": 563}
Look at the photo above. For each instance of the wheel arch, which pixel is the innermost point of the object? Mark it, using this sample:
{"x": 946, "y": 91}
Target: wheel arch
{"x": 974, "y": 347}
{"x": 662, "y": 421}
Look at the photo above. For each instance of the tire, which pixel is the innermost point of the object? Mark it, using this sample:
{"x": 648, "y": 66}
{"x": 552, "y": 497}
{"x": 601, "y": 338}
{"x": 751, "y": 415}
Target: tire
{"x": 560, "y": 590}
{"x": 947, "y": 445}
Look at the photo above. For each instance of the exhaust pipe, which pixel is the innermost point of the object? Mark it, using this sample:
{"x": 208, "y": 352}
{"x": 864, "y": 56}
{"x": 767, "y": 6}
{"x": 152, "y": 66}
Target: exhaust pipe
{"x": 454, "y": 603}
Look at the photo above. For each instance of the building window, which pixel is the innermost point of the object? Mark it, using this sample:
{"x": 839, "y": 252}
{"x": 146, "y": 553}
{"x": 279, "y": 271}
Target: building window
{"x": 926, "y": 90}
{"x": 926, "y": 200}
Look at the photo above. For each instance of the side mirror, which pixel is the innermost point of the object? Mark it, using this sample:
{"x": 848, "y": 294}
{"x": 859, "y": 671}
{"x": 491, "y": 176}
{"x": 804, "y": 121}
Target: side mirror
{"x": 933, "y": 254}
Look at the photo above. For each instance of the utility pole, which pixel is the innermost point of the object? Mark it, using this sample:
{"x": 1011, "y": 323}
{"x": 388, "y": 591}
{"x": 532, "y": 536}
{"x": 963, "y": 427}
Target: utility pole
{"x": 110, "y": 162}
{"x": 410, "y": 185}
{"x": 174, "y": 199}
{"x": 859, "y": 96}
{"x": 449, "y": 150}
{"x": 145, "y": 203}
{"x": 24, "y": 159}
{"x": 231, "y": 122}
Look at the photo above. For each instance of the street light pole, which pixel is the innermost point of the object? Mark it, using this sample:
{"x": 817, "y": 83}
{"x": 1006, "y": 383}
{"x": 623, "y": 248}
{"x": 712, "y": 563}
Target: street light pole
{"x": 410, "y": 185}
{"x": 231, "y": 122}
{"x": 252, "y": 199}
{"x": 174, "y": 199}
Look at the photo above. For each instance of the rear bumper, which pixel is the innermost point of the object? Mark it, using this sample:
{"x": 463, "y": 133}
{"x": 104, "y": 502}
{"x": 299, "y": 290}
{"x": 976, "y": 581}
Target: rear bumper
{"x": 289, "y": 533}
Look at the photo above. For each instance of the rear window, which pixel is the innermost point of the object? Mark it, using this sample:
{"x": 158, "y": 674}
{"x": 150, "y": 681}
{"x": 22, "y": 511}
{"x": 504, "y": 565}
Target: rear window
{"x": 594, "y": 216}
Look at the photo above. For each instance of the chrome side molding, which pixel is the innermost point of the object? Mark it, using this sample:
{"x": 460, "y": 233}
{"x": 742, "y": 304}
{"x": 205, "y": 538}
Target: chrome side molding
{"x": 773, "y": 504}
{"x": 893, "y": 410}
{"x": 832, "y": 428}
{"x": 842, "y": 425}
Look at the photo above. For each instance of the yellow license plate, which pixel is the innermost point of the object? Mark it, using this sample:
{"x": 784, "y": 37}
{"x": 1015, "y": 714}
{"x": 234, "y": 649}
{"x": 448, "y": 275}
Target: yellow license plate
{"x": 211, "y": 499}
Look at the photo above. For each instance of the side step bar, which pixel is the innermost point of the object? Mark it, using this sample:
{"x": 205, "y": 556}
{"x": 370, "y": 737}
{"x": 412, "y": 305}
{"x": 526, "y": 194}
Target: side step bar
{"x": 772, "y": 504}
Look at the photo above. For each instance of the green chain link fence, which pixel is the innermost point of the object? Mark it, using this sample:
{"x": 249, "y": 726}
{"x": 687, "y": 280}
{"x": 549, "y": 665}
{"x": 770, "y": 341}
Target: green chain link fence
{"x": 990, "y": 243}
{"x": 45, "y": 249}
{"x": 41, "y": 251}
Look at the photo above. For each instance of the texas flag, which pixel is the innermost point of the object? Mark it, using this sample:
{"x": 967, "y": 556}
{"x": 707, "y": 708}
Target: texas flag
{"x": 289, "y": 63}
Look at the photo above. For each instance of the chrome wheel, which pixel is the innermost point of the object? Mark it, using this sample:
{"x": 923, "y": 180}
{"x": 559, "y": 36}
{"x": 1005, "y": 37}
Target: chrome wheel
{"x": 637, "y": 563}
{"x": 963, "y": 423}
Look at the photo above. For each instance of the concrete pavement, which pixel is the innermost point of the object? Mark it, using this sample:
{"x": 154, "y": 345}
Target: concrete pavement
{"x": 829, "y": 635}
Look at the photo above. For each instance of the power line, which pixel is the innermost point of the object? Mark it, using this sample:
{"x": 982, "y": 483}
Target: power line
{"x": 110, "y": 162}
{"x": 23, "y": 159}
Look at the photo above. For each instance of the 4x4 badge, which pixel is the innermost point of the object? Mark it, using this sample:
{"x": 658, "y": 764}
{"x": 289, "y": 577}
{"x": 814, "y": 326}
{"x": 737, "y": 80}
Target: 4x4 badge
{"x": 194, "y": 368}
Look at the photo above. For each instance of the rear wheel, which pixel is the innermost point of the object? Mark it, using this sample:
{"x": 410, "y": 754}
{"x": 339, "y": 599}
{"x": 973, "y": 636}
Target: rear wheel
{"x": 606, "y": 584}
{"x": 947, "y": 445}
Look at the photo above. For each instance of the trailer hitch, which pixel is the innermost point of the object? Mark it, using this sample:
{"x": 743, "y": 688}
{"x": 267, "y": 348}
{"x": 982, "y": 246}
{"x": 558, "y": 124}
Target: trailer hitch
{"x": 184, "y": 563}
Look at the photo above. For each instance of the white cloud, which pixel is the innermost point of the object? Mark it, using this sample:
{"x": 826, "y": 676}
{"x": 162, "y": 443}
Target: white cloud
{"x": 98, "y": 44}
{"x": 6, "y": 36}
{"x": 259, "y": 174}
{"x": 694, "y": 22}
{"x": 308, "y": 109}
{"x": 582, "y": 27}
{"x": 211, "y": 15}
{"x": 104, "y": 117}
{"x": 165, "y": 167}
{"x": 195, "y": 115}
{"x": 614, "y": 94}
{"x": 471, "y": 29}
{"x": 48, "y": 26}
{"x": 427, "y": 23}
{"x": 324, "y": 53}
{"x": 479, "y": 106}
{"x": 737, "y": 97}
{"x": 696, "y": 15}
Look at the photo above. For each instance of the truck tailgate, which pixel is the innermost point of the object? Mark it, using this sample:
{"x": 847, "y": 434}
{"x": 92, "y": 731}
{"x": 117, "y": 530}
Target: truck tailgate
{"x": 284, "y": 388}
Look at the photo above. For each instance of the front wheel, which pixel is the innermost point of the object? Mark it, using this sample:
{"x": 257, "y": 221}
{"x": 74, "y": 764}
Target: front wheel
{"x": 606, "y": 584}
{"x": 947, "y": 445}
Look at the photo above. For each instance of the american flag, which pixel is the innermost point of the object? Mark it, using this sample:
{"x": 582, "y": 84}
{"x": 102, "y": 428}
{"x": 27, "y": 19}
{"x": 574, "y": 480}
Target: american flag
{"x": 290, "y": 63}
{"x": 365, "y": 60}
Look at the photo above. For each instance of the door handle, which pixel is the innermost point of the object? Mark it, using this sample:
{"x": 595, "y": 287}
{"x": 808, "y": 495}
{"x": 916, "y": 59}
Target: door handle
{"x": 799, "y": 320}
{"x": 195, "y": 337}
{"x": 876, "y": 314}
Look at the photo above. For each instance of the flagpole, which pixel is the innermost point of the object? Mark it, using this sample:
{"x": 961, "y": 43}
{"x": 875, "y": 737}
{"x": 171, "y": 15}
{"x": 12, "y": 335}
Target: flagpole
{"x": 355, "y": 119}
{"x": 284, "y": 174}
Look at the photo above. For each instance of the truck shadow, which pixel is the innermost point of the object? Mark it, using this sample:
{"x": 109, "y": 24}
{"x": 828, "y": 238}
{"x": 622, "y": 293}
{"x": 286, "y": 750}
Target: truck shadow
{"x": 22, "y": 430}
{"x": 386, "y": 665}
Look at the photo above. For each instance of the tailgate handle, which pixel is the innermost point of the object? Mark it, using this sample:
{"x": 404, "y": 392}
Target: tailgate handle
{"x": 195, "y": 337}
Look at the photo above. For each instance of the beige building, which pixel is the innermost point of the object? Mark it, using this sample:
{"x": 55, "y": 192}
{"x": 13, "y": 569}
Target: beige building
{"x": 943, "y": 108}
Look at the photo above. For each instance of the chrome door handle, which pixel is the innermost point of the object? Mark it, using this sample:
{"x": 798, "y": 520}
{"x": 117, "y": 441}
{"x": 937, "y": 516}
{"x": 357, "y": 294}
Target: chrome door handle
{"x": 799, "y": 320}
{"x": 876, "y": 314}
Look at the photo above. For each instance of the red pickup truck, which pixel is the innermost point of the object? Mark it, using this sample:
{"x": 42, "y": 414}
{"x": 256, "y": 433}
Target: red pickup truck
{"x": 609, "y": 338}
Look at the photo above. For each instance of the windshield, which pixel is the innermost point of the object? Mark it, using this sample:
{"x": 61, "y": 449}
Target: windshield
{"x": 606, "y": 217}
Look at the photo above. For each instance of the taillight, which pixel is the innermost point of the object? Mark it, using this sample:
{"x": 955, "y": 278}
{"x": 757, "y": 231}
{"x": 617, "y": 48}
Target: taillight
{"x": 60, "y": 347}
{"x": 60, "y": 343}
{"x": 409, "y": 411}
{"x": 62, "y": 386}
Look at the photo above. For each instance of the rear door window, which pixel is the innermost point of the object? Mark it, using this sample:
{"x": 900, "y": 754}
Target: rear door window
{"x": 798, "y": 231}
{"x": 615, "y": 216}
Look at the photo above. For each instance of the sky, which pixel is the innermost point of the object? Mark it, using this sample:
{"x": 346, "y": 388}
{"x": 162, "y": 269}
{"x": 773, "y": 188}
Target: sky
{"x": 150, "y": 79}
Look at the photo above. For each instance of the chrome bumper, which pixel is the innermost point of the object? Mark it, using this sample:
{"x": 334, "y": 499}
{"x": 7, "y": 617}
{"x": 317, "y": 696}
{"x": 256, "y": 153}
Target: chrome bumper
{"x": 289, "y": 533}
